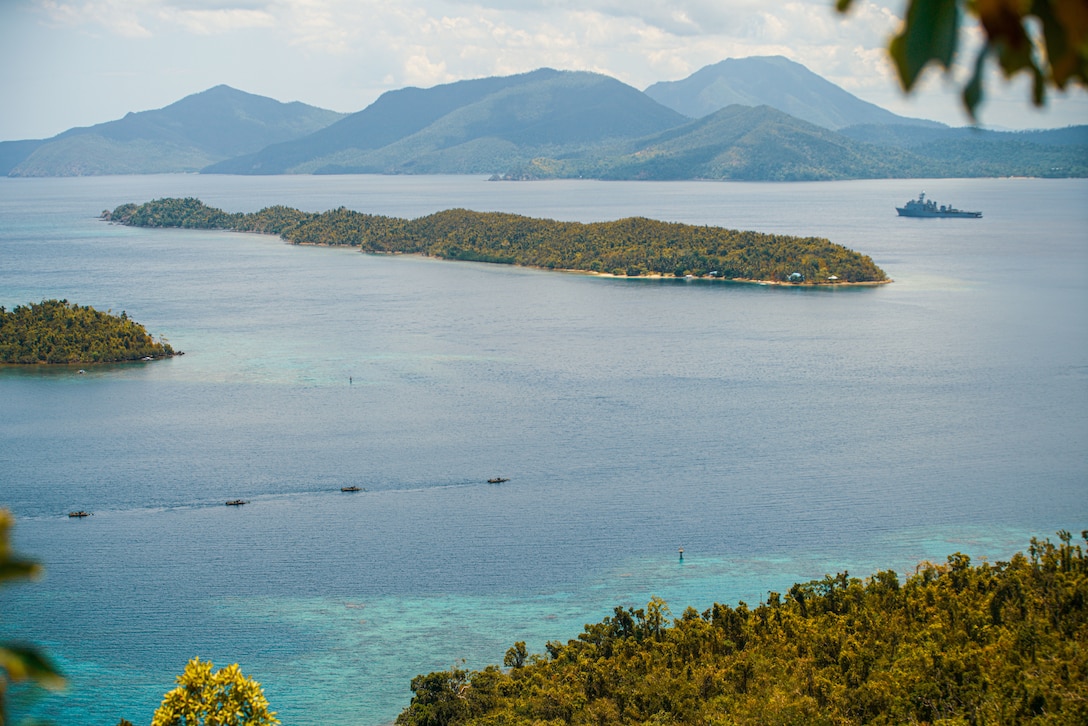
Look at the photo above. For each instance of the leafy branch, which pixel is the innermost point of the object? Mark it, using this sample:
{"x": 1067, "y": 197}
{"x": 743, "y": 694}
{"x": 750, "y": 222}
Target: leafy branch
{"x": 1046, "y": 39}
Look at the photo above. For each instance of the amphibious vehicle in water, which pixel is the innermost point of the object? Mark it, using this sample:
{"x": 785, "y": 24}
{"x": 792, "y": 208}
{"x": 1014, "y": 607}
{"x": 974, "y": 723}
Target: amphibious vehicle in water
{"x": 922, "y": 207}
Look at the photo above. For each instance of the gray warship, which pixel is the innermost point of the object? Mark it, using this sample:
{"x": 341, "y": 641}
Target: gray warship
{"x": 922, "y": 207}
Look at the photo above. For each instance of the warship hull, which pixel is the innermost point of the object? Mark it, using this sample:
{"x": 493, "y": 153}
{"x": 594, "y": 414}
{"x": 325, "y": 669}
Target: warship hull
{"x": 922, "y": 207}
{"x": 904, "y": 212}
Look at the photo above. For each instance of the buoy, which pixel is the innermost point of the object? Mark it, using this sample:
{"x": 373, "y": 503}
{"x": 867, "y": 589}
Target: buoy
{"x": 681, "y": 554}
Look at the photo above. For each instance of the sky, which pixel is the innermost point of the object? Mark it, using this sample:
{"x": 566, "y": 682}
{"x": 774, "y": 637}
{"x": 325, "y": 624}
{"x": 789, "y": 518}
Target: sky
{"x": 68, "y": 63}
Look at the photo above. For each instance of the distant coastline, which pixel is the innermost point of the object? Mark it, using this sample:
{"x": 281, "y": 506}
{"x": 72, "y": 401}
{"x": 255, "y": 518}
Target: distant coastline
{"x": 744, "y": 281}
{"x": 648, "y": 276}
{"x": 631, "y": 247}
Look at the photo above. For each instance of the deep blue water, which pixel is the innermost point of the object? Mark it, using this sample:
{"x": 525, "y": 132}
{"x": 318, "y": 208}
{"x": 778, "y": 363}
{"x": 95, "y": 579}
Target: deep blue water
{"x": 775, "y": 434}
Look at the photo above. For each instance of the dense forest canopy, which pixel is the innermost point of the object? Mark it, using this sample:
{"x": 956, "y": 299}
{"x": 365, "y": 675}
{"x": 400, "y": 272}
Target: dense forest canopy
{"x": 632, "y": 247}
{"x": 56, "y": 331}
{"x": 956, "y": 643}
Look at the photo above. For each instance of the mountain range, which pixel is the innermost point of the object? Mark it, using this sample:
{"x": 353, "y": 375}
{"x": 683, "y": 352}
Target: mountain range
{"x": 470, "y": 127}
{"x": 763, "y": 118}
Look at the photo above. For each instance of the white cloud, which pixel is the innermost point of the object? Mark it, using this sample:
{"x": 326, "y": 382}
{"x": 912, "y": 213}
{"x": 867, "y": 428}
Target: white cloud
{"x": 419, "y": 70}
{"x": 343, "y": 53}
{"x": 227, "y": 5}
{"x": 212, "y": 22}
{"x": 638, "y": 41}
{"x": 114, "y": 16}
{"x": 146, "y": 18}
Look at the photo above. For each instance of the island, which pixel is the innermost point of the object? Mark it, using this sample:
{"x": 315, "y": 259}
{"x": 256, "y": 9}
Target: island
{"x": 631, "y": 247}
{"x": 57, "y": 331}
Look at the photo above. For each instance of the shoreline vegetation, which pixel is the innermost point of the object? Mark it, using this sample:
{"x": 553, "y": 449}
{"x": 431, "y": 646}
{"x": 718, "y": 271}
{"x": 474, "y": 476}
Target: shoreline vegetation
{"x": 956, "y": 643}
{"x": 59, "y": 332}
{"x": 631, "y": 247}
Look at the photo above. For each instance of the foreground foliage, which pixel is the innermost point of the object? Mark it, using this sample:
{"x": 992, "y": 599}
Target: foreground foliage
{"x": 632, "y": 247}
{"x": 1044, "y": 39}
{"x": 205, "y": 697}
{"x": 56, "y": 331}
{"x": 20, "y": 661}
{"x": 956, "y": 643}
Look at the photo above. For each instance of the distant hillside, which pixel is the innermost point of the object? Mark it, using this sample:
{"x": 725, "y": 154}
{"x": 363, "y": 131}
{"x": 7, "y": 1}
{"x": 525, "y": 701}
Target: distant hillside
{"x": 185, "y": 136}
{"x": 917, "y": 136}
{"x": 394, "y": 115}
{"x": 776, "y": 82}
{"x": 13, "y": 152}
{"x": 477, "y": 126}
{"x": 743, "y": 143}
{"x": 979, "y": 152}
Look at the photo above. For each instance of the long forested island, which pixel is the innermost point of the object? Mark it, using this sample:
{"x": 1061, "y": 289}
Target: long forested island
{"x": 633, "y": 247}
{"x": 56, "y": 331}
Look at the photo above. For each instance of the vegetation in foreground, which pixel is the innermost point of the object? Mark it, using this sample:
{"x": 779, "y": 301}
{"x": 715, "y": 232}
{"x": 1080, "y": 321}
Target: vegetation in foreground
{"x": 56, "y": 331}
{"x": 20, "y": 661}
{"x": 213, "y": 698}
{"x": 632, "y": 247}
{"x": 203, "y": 696}
{"x": 1002, "y": 643}
{"x": 1046, "y": 40}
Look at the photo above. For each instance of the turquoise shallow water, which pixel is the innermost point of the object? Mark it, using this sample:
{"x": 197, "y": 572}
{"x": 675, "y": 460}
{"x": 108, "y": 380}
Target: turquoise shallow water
{"x": 775, "y": 434}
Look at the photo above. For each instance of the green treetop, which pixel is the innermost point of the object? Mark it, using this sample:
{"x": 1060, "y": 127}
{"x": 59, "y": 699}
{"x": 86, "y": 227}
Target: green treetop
{"x": 205, "y": 697}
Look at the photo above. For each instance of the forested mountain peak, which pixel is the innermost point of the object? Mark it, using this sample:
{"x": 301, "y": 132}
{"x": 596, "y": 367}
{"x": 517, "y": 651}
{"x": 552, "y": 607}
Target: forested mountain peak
{"x": 774, "y": 81}
{"x": 186, "y": 135}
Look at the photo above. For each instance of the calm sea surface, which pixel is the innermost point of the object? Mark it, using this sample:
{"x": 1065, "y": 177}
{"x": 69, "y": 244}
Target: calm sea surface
{"x": 775, "y": 434}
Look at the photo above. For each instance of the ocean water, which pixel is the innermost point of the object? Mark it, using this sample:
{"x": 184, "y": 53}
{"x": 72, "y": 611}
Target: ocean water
{"x": 775, "y": 434}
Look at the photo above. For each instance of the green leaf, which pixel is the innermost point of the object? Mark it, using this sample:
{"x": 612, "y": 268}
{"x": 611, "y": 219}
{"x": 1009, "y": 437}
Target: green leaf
{"x": 19, "y": 569}
{"x": 24, "y": 662}
{"x": 930, "y": 34}
{"x": 1065, "y": 33}
{"x": 972, "y": 92}
{"x": 1038, "y": 86}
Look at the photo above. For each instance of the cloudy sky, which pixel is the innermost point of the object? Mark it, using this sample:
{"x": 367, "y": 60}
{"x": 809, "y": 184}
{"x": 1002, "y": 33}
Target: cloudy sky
{"x": 80, "y": 62}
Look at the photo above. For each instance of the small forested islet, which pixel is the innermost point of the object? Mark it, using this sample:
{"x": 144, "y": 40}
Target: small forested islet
{"x": 57, "y": 331}
{"x": 633, "y": 247}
